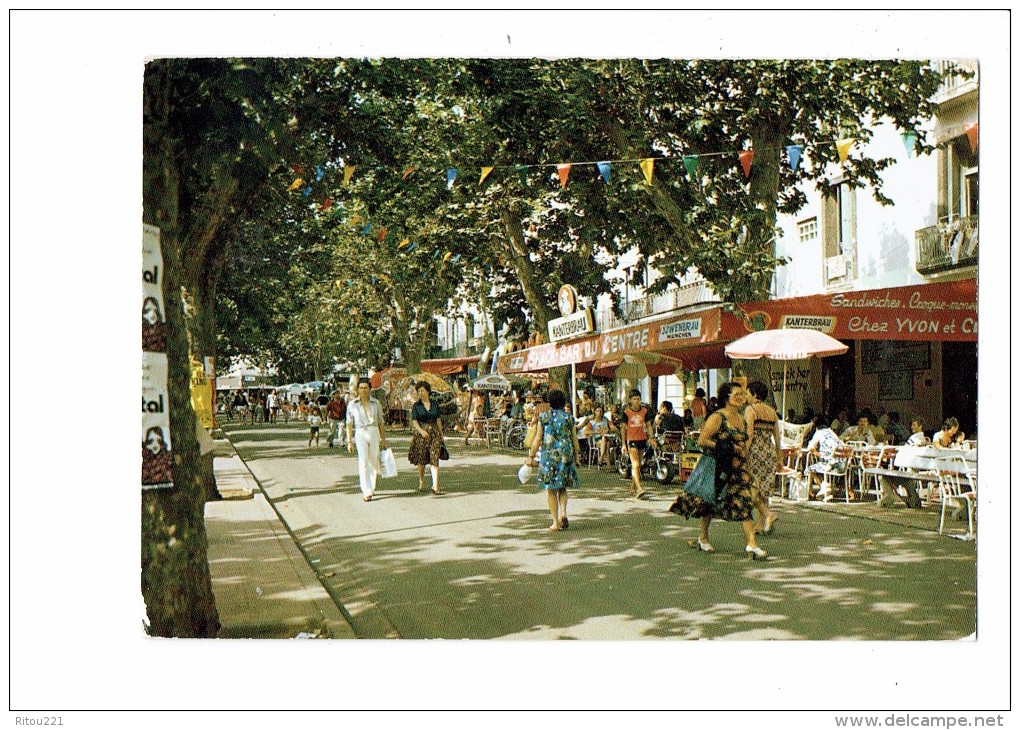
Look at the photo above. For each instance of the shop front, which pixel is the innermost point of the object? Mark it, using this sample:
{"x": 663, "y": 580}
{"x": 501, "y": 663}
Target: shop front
{"x": 913, "y": 350}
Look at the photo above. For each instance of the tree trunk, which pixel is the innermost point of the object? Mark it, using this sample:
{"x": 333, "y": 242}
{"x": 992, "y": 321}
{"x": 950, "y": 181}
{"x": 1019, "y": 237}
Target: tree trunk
{"x": 176, "y": 585}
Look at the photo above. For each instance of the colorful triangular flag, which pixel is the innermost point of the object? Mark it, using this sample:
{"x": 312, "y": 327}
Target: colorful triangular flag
{"x": 407, "y": 172}
{"x": 451, "y": 175}
{"x": 604, "y": 168}
{"x": 298, "y": 169}
{"x": 295, "y": 185}
{"x": 348, "y": 173}
{"x": 746, "y": 158}
{"x": 794, "y": 151}
{"x": 972, "y": 136}
{"x": 455, "y": 259}
{"x": 326, "y": 204}
{"x": 411, "y": 248}
{"x": 381, "y": 234}
{"x": 691, "y": 165}
{"x": 367, "y": 229}
{"x": 307, "y": 191}
{"x": 843, "y": 148}
{"x": 909, "y": 141}
{"x": 404, "y": 243}
{"x": 485, "y": 174}
{"x": 564, "y": 172}
{"x": 647, "y": 166}
{"x": 447, "y": 256}
{"x": 356, "y": 219}
{"x": 318, "y": 173}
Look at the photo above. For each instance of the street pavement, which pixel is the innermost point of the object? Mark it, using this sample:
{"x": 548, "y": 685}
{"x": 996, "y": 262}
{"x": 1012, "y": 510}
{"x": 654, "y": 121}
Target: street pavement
{"x": 478, "y": 562}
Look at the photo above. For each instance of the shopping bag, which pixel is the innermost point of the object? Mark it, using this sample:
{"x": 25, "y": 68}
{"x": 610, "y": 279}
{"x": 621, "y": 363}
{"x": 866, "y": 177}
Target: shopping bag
{"x": 524, "y": 474}
{"x": 388, "y": 463}
{"x": 701, "y": 483}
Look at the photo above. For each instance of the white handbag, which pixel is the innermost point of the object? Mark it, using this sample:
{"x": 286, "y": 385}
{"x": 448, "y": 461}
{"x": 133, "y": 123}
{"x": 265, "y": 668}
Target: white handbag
{"x": 388, "y": 463}
{"x": 524, "y": 474}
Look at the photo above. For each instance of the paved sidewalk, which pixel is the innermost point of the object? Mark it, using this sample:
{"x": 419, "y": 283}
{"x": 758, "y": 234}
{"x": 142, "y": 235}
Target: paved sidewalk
{"x": 479, "y": 563}
{"x": 264, "y": 585}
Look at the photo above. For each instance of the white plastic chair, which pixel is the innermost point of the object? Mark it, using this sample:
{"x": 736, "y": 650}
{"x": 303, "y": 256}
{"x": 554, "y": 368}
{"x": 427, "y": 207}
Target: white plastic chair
{"x": 957, "y": 488}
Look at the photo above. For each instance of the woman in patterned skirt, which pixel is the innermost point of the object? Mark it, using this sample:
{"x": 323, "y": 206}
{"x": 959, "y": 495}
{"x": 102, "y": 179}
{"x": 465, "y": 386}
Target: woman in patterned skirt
{"x": 724, "y": 436}
{"x": 426, "y": 436}
{"x": 557, "y": 436}
{"x": 763, "y": 453}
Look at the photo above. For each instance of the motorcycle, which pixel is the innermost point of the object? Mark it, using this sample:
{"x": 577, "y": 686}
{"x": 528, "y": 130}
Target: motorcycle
{"x": 654, "y": 463}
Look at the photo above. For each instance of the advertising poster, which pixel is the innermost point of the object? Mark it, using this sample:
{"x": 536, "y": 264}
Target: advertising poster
{"x": 157, "y": 457}
{"x": 202, "y": 393}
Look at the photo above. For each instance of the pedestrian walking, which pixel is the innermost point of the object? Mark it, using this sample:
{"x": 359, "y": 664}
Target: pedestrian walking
{"x": 313, "y": 429}
{"x": 336, "y": 412}
{"x": 366, "y": 428}
{"x": 636, "y": 432}
{"x": 557, "y": 467}
{"x": 763, "y": 452}
{"x": 426, "y": 437}
{"x": 272, "y": 404}
{"x": 724, "y": 439}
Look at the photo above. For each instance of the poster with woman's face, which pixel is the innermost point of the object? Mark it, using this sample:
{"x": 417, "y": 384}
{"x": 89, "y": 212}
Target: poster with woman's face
{"x": 157, "y": 461}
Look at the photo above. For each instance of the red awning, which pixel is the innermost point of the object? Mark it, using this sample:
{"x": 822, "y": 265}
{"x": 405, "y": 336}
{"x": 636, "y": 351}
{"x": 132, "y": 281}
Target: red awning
{"x": 449, "y": 366}
{"x": 941, "y": 311}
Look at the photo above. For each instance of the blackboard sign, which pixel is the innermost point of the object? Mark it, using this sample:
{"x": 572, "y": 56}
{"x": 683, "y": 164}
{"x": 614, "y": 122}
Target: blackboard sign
{"x": 896, "y": 385}
{"x": 884, "y": 356}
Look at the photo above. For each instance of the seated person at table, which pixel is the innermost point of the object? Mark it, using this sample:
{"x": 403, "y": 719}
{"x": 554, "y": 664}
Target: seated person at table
{"x": 897, "y": 432}
{"x": 668, "y": 424}
{"x": 947, "y": 436}
{"x": 877, "y": 430}
{"x": 860, "y": 432}
{"x": 824, "y": 443}
{"x": 688, "y": 419}
{"x": 599, "y": 426}
{"x": 917, "y": 437}
{"x": 840, "y": 422}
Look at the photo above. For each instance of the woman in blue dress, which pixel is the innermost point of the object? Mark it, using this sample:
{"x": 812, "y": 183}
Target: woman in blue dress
{"x": 556, "y": 434}
{"x": 724, "y": 436}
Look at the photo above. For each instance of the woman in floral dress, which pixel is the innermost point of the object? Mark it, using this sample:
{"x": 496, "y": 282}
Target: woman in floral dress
{"x": 557, "y": 436}
{"x": 724, "y": 436}
{"x": 763, "y": 453}
{"x": 426, "y": 437}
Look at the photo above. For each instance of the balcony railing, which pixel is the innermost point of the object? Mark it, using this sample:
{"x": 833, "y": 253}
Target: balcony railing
{"x": 947, "y": 246}
{"x": 956, "y": 83}
{"x": 685, "y": 295}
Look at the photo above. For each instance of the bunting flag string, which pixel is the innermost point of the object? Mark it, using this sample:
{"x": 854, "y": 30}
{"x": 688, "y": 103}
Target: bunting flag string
{"x": 647, "y": 165}
{"x": 972, "y": 136}
{"x": 843, "y": 148}
{"x": 746, "y": 158}
{"x": 691, "y": 165}
{"x": 690, "y": 162}
{"x": 793, "y": 152}
{"x": 564, "y": 172}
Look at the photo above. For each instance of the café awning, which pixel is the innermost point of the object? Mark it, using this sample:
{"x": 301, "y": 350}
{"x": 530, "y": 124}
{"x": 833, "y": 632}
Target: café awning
{"x": 448, "y": 366}
{"x": 671, "y": 336}
{"x": 941, "y": 311}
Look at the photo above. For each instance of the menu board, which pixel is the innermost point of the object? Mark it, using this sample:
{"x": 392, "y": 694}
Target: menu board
{"x": 884, "y": 356}
{"x": 896, "y": 385}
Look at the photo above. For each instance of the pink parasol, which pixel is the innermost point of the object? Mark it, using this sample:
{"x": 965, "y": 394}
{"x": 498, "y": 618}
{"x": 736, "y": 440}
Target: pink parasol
{"x": 785, "y": 344}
